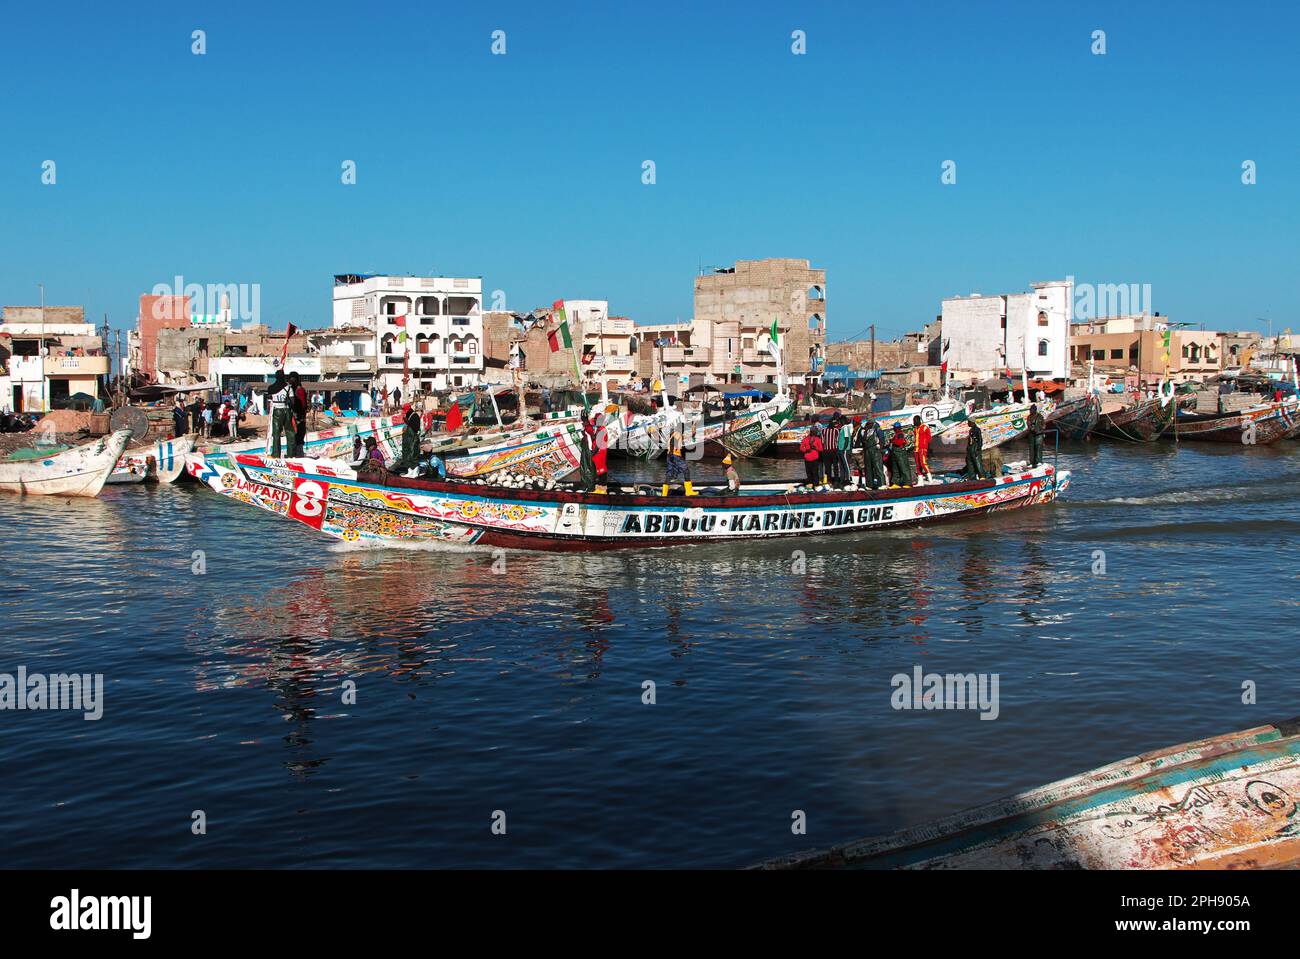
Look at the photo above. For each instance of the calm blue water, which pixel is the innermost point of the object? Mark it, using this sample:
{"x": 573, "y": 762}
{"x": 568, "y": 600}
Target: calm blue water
{"x": 522, "y": 691}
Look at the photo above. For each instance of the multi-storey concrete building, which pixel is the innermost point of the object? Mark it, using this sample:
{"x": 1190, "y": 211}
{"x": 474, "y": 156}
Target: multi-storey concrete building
{"x": 734, "y": 310}
{"x": 1010, "y": 331}
{"x": 1134, "y": 345}
{"x": 48, "y": 354}
{"x": 442, "y": 317}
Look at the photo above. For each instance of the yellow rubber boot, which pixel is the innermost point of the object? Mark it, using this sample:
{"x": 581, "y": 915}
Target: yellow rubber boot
{"x": 690, "y": 490}
{"x": 665, "y": 493}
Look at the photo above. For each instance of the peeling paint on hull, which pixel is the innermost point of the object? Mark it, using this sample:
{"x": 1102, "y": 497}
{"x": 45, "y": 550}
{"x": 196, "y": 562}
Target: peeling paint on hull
{"x": 1228, "y": 802}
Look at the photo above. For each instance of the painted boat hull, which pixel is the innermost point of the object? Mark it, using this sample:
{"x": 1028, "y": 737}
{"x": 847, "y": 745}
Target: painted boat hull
{"x": 747, "y": 433}
{"x": 81, "y": 471}
{"x": 1227, "y": 802}
{"x": 333, "y": 443}
{"x": 1258, "y": 426}
{"x": 163, "y": 462}
{"x": 1075, "y": 420}
{"x": 1143, "y": 422}
{"x": 551, "y": 453}
{"x": 332, "y": 499}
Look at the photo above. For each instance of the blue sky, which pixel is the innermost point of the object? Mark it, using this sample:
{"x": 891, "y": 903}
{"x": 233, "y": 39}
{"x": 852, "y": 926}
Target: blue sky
{"x": 526, "y": 168}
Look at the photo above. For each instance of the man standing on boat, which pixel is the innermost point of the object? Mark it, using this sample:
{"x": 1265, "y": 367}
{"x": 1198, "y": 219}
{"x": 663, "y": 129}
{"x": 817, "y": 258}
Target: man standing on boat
{"x": 298, "y": 401}
{"x": 410, "y": 441}
{"x": 923, "y": 436}
{"x": 974, "y": 452}
{"x": 596, "y": 443}
{"x": 830, "y": 452}
{"x": 279, "y": 398}
{"x": 811, "y": 448}
{"x": 843, "y": 470}
{"x": 1037, "y": 427}
{"x": 900, "y": 458}
{"x": 871, "y": 440}
{"x": 677, "y": 469}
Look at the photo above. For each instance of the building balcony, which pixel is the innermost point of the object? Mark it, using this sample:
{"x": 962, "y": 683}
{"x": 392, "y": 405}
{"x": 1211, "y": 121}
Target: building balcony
{"x": 687, "y": 354}
{"x": 76, "y": 365}
{"x": 757, "y": 357}
{"x": 614, "y": 364}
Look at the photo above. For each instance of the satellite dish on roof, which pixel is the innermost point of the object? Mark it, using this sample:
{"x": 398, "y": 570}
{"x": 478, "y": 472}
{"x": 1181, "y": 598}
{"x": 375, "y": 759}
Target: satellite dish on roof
{"x": 130, "y": 418}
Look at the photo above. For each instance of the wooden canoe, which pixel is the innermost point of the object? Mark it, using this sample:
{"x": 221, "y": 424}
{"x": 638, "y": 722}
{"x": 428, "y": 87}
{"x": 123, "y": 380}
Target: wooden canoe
{"x": 162, "y": 462}
{"x": 1144, "y": 422}
{"x": 1227, "y": 802}
{"x": 80, "y": 471}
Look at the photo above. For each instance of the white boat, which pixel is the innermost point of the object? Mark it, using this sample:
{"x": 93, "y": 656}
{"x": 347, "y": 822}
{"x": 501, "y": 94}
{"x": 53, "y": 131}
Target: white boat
{"x": 163, "y": 461}
{"x": 80, "y": 471}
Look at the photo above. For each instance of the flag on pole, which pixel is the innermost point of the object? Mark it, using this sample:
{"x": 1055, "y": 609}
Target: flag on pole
{"x": 400, "y": 321}
{"x": 559, "y": 336}
{"x": 289, "y": 331}
{"x": 774, "y": 333}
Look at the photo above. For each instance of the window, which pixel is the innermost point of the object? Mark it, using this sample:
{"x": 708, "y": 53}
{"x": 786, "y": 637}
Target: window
{"x": 473, "y": 347}
{"x": 1042, "y": 347}
{"x": 1117, "y": 354}
{"x": 1098, "y": 354}
{"x": 1042, "y": 318}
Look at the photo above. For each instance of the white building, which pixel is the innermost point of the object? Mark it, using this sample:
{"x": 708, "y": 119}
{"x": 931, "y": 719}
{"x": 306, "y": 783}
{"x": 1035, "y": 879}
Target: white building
{"x": 443, "y": 320}
{"x": 43, "y": 362}
{"x": 602, "y": 341}
{"x": 986, "y": 335}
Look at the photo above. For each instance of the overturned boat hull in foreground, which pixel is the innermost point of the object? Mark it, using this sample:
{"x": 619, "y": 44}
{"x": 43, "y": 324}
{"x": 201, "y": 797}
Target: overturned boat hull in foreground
{"x": 1227, "y": 802}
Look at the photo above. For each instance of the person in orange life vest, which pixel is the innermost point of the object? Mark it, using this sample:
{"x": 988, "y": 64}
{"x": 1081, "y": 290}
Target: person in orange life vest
{"x": 923, "y": 437}
{"x": 811, "y": 448}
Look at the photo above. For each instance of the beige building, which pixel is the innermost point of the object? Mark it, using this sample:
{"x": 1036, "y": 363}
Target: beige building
{"x": 734, "y": 310}
{"x": 1135, "y": 345}
{"x": 48, "y": 354}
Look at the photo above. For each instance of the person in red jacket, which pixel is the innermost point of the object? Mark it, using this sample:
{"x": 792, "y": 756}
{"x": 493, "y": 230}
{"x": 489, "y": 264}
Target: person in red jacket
{"x": 923, "y": 436}
{"x": 811, "y": 448}
{"x": 597, "y": 439}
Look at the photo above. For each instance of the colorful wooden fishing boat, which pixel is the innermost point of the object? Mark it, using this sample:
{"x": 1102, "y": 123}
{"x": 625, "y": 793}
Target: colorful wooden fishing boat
{"x": 162, "y": 462}
{"x": 1143, "y": 422}
{"x": 1227, "y": 802}
{"x": 79, "y": 471}
{"x": 337, "y": 442}
{"x": 1075, "y": 419}
{"x": 749, "y": 432}
{"x": 745, "y": 432}
{"x": 552, "y": 452}
{"x": 1256, "y": 426}
{"x": 999, "y": 425}
{"x": 381, "y": 508}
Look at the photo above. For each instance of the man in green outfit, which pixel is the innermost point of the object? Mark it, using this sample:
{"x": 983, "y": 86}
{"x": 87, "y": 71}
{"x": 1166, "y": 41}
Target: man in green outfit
{"x": 872, "y": 443}
{"x": 974, "y": 452}
{"x": 1037, "y": 427}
